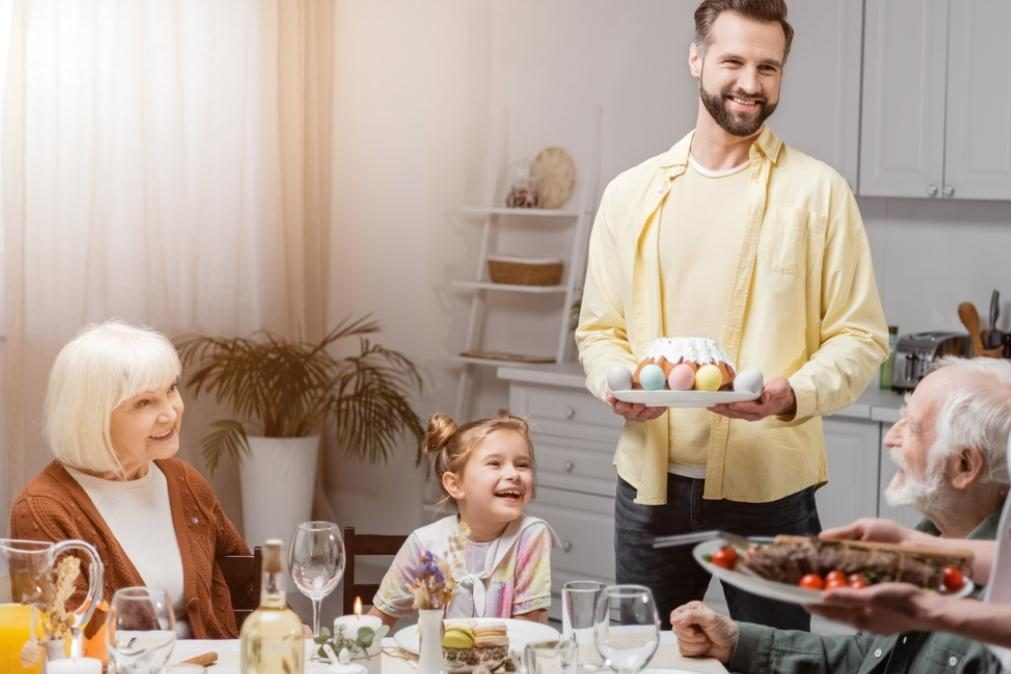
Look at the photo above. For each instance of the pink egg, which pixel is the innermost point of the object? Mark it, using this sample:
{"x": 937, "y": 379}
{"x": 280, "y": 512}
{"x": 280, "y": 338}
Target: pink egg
{"x": 681, "y": 378}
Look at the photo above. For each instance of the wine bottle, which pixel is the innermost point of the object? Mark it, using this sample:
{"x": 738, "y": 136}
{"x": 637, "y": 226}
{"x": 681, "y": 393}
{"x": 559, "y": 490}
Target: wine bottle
{"x": 271, "y": 639}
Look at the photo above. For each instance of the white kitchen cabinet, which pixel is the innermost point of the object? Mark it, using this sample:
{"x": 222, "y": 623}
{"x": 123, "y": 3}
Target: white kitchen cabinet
{"x": 851, "y": 446}
{"x": 823, "y": 73}
{"x": 978, "y": 140}
{"x": 936, "y": 112}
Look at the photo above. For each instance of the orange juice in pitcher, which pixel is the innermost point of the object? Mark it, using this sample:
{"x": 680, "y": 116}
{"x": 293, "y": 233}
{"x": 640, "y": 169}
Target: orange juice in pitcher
{"x": 15, "y": 628}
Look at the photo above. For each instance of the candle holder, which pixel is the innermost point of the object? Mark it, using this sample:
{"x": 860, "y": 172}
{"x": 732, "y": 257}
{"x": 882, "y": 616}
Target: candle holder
{"x": 363, "y": 642}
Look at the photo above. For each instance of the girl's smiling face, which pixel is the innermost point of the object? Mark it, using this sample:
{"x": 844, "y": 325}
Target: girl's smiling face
{"x": 495, "y": 485}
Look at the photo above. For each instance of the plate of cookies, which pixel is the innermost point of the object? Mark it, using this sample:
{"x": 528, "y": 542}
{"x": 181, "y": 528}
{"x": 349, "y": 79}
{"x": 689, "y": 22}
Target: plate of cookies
{"x": 468, "y": 643}
{"x": 684, "y": 372}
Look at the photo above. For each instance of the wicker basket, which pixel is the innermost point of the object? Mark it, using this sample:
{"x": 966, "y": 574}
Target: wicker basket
{"x": 525, "y": 271}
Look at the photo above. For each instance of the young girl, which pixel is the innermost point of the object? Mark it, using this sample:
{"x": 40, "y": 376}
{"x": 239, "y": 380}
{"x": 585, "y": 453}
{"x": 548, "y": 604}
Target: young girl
{"x": 487, "y": 468}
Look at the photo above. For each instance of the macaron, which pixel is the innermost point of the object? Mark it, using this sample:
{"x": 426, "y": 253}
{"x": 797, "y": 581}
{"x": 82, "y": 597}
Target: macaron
{"x": 490, "y": 635}
{"x": 458, "y": 636}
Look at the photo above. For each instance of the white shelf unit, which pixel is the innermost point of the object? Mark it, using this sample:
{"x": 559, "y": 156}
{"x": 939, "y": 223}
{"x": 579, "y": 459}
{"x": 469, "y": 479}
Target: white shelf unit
{"x": 494, "y": 218}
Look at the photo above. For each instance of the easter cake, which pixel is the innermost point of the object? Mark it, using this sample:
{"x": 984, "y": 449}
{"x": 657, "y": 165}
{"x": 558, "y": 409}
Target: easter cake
{"x": 466, "y": 645}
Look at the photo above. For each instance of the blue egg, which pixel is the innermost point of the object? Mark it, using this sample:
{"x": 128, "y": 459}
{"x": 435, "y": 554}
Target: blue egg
{"x": 652, "y": 378}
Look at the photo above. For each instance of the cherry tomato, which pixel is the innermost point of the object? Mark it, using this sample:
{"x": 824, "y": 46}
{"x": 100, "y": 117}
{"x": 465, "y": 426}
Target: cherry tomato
{"x": 953, "y": 579}
{"x": 725, "y": 557}
{"x": 836, "y": 575}
{"x": 857, "y": 578}
{"x": 858, "y": 583}
{"x": 812, "y": 581}
{"x": 836, "y": 583}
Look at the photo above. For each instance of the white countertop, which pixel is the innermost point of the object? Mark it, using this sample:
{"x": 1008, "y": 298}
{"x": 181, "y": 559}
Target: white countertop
{"x": 873, "y": 405}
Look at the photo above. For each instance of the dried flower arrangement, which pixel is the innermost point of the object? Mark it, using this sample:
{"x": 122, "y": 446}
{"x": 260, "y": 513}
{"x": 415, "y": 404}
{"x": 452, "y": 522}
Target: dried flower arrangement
{"x": 434, "y": 585}
{"x": 51, "y": 604}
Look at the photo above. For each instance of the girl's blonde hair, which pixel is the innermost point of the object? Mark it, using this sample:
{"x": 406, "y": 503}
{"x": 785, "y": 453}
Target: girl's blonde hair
{"x": 452, "y": 445}
{"x": 95, "y": 372}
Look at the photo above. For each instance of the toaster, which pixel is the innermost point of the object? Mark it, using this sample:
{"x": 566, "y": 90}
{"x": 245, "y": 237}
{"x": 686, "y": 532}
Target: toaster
{"x": 915, "y": 353}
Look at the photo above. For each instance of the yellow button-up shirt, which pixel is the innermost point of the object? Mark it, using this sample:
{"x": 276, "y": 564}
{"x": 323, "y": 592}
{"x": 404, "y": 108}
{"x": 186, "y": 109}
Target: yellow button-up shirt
{"x": 804, "y": 305}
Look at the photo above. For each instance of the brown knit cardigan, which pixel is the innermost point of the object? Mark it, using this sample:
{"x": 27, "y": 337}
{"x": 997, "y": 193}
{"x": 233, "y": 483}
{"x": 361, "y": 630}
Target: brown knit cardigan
{"x": 54, "y": 507}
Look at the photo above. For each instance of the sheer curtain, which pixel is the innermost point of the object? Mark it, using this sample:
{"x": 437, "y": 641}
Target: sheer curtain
{"x": 163, "y": 162}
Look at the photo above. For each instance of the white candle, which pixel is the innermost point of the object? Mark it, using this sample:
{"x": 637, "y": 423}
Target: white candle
{"x": 350, "y": 624}
{"x": 350, "y": 668}
{"x": 74, "y": 666}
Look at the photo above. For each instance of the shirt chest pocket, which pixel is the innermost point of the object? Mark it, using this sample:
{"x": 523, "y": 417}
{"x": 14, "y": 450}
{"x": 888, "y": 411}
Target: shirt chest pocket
{"x": 784, "y": 239}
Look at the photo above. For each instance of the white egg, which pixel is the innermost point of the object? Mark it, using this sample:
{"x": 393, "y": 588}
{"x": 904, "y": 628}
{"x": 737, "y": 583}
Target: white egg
{"x": 749, "y": 381}
{"x": 619, "y": 378}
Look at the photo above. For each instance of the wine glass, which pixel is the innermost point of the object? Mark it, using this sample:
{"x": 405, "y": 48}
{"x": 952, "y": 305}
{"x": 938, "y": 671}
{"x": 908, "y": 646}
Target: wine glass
{"x": 626, "y": 629}
{"x": 141, "y": 630}
{"x": 316, "y": 560}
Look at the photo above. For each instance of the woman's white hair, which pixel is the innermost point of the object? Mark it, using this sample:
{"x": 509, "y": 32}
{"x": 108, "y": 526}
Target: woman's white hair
{"x": 977, "y": 415}
{"x": 95, "y": 372}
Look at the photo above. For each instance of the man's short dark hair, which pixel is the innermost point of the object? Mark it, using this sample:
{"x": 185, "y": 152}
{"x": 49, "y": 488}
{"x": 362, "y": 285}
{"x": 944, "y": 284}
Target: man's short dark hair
{"x": 759, "y": 10}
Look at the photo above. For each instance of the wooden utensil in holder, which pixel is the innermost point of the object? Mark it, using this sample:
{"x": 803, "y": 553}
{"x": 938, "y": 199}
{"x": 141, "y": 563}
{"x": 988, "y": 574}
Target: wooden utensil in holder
{"x": 970, "y": 319}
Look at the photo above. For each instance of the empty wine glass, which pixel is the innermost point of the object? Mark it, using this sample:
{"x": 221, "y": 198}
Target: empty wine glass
{"x": 316, "y": 560}
{"x": 626, "y": 629}
{"x": 141, "y": 630}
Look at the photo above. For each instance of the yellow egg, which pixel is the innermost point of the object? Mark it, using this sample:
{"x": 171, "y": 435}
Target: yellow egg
{"x": 708, "y": 378}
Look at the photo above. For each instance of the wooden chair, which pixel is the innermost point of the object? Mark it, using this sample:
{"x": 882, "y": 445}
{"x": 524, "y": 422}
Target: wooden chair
{"x": 242, "y": 573}
{"x": 359, "y": 545}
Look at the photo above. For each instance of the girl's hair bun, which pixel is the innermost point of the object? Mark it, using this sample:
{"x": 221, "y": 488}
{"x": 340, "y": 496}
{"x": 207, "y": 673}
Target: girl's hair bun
{"x": 441, "y": 428}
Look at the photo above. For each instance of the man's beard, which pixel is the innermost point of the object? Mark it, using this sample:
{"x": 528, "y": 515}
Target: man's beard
{"x": 735, "y": 123}
{"x": 923, "y": 495}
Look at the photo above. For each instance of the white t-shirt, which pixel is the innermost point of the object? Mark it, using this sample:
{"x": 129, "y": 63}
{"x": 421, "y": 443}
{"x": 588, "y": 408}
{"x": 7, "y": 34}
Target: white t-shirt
{"x": 139, "y": 515}
{"x": 999, "y": 589}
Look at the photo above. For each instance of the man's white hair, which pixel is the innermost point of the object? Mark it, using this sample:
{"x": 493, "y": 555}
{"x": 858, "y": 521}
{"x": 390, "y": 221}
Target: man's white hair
{"x": 95, "y": 372}
{"x": 977, "y": 415}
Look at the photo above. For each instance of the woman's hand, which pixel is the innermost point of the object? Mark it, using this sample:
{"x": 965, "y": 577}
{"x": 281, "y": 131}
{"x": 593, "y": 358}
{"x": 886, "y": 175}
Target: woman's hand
{"x": 887, "y": 608}
{"x": 703, "y": 633}
{"x": 871, "y": 529}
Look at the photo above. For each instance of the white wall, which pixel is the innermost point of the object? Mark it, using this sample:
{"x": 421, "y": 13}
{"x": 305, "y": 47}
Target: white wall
{"x": 426, "y": 98}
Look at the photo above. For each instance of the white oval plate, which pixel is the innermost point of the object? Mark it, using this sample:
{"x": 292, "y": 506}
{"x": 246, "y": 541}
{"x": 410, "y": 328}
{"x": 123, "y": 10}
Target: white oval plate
{"x": 667, "y": 398}
{"x": 521, "y": 633}
{"x": 770, "y": 589}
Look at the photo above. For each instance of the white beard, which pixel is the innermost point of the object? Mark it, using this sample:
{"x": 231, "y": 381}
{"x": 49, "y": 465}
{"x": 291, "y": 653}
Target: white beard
{"x": 920, "y": 494}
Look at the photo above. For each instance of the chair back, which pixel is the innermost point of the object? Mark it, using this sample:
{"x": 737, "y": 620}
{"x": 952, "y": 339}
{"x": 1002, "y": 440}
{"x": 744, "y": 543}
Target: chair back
{"x": 360, "y": 545}
{"x": 242, "y": 573}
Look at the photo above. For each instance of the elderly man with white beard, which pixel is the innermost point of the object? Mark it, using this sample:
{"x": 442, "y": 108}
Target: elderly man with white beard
{"x": 950, "y": 445}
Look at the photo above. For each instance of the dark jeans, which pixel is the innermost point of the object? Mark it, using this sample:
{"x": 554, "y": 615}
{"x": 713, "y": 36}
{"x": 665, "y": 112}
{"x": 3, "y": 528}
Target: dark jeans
{"x": 673, "y": 574}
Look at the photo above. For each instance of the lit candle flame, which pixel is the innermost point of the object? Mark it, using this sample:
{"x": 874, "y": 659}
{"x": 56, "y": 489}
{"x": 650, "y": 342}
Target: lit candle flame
{"x": 358, "y": 606}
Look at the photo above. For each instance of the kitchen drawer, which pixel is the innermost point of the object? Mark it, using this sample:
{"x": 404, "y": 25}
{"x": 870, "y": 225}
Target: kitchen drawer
{"x": 565, "y": 412}
{"x": 585, "y": 526}
{"x": 569, "y": 465}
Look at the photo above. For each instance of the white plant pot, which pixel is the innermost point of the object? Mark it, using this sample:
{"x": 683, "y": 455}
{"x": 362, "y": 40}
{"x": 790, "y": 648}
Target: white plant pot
{"x": 277, "y": 479}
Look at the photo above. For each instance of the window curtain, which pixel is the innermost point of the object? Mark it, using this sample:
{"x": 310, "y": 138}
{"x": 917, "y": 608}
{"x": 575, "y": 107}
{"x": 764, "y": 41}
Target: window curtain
{"x": 167, "y": 163}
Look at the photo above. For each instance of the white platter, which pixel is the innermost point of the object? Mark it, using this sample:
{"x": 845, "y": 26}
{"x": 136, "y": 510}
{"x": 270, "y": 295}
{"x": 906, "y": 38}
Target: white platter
{"x": 521, "y": 633}
{"x": 770, "y": 589}
{"x": 667, "y": 398}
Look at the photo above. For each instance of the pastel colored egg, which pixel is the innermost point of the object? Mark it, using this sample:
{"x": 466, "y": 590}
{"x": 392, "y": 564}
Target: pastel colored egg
{"x": 619, "y": 378}
{"x": 708, "y": 378}
{"x": 681, "y": 378}
{"x": 749, "y": 381}
{"x": 651, "y": 377}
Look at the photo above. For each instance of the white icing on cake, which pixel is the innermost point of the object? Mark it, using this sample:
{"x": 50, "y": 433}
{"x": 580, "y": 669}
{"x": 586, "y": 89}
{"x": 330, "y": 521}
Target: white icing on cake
{"x": 688, "y": 349}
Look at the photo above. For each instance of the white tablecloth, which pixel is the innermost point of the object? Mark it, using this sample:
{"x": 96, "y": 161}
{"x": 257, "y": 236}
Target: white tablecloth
{"x": 667, "y": 658}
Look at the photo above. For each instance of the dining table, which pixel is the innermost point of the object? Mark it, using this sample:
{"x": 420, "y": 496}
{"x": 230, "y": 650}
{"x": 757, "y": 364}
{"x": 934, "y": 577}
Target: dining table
{"x": 392, "y": 660}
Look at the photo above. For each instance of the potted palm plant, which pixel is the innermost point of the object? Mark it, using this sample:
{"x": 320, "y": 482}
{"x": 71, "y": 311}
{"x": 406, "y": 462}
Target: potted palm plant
{"x": 283, "y": 394}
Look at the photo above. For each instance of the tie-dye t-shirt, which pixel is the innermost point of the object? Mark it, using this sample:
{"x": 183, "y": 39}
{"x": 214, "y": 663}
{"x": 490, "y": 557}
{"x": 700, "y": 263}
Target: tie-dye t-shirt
{"x": 518, "y": 584}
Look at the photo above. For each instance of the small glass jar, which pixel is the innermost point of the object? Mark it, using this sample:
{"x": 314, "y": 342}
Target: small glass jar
{"x": 522, "y": 186}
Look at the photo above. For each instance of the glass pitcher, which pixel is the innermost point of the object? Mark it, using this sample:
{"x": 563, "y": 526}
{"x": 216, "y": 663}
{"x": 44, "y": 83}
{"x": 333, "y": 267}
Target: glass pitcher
{"x": 24, "y": 566}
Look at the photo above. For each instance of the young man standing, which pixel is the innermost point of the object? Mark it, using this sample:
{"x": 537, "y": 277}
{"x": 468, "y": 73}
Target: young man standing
{"x": 732, "y": 235}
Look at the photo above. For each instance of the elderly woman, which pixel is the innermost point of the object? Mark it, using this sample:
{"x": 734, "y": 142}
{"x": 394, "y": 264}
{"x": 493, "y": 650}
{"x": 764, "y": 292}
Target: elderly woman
{"x": 112, "y": 417}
